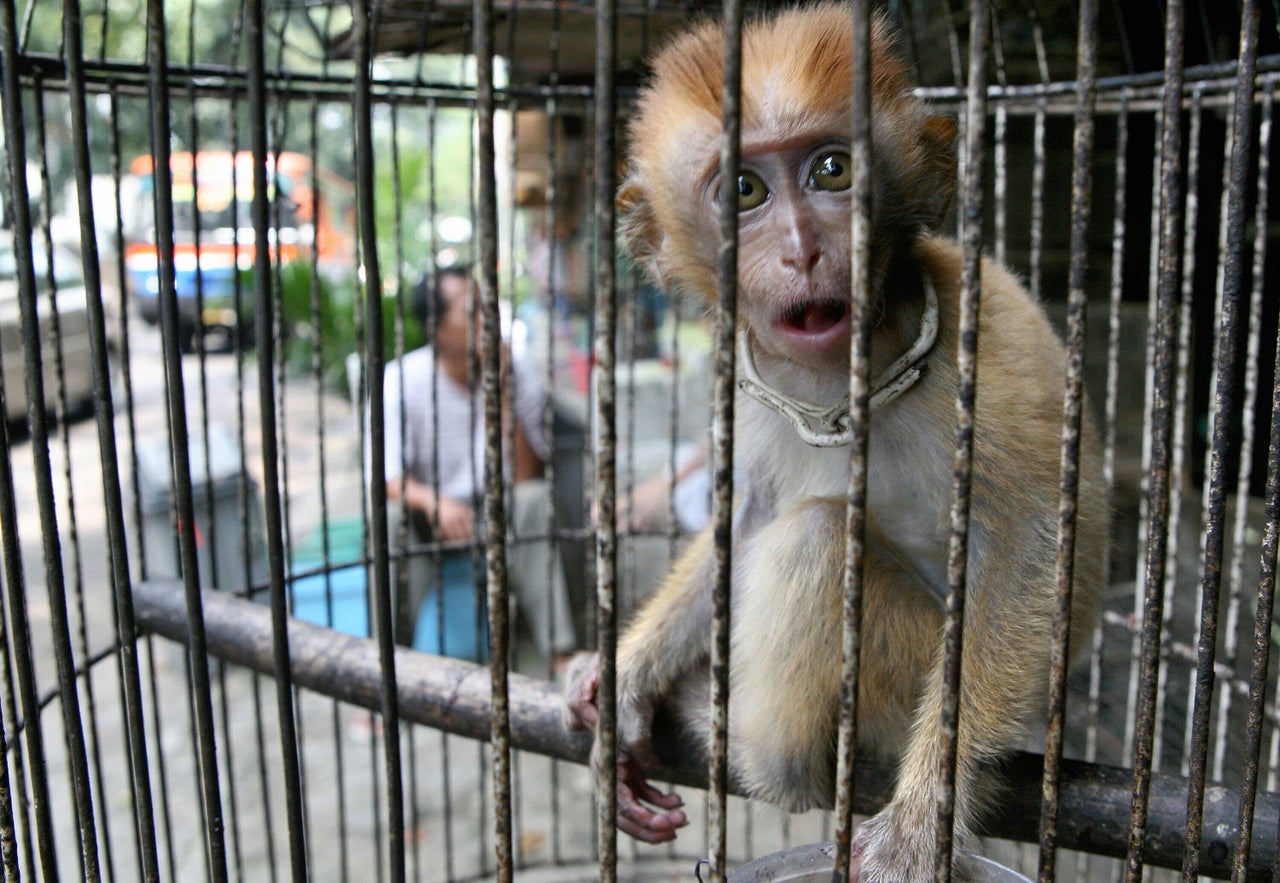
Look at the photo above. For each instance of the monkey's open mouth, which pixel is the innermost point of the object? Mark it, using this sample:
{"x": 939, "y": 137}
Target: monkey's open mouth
{"x": 815, "y": 316}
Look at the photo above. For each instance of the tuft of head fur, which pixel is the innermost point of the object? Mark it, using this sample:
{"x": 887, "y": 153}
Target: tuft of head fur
{"x": 797, "y": 71}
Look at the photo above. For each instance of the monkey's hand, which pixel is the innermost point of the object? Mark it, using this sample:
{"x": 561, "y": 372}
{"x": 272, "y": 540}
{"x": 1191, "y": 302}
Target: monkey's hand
{"x": 635, "y": 719}
{"x": 581, "y": 680}
{"x": 897, "y": 846}
{"x": 634, "y": 791}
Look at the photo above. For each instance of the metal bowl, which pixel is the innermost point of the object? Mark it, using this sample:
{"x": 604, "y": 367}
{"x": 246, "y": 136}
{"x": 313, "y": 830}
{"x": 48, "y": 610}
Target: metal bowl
{"x": 814, "y": 862}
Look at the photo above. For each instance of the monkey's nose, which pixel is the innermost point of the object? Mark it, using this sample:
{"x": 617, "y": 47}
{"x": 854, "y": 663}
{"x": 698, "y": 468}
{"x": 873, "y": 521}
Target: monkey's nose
{"x": 802, "y": 258}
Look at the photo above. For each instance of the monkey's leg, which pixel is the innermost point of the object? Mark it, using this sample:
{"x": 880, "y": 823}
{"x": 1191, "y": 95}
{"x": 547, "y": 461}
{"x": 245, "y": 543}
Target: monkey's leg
{"x": 1002, "y": 685}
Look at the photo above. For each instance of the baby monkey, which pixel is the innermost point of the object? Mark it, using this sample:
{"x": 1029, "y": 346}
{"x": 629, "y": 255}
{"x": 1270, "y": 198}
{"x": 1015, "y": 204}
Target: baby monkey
{"x": 791, "y": 445}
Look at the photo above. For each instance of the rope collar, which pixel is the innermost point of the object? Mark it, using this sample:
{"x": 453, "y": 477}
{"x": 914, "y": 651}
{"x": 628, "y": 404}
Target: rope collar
{"x": 831, "y": 427}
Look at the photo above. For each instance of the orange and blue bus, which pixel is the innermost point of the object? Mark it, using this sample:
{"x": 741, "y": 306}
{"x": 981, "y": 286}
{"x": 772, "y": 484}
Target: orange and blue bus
{"x": 216, "y": 188}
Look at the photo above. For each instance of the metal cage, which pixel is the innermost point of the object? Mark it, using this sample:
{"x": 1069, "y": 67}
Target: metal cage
{"x": 216, "y": 219}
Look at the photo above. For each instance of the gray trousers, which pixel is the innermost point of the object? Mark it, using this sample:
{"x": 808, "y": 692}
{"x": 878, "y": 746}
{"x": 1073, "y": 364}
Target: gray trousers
{"x": 536, "y": 573}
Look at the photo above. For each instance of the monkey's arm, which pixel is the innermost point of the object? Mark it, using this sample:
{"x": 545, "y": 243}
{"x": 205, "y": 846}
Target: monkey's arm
{"x": 667, "y": 637}
{"x": 667, "y": 640}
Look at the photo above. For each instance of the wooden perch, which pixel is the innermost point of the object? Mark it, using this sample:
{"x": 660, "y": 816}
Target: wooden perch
{"x": 453, "y": 696}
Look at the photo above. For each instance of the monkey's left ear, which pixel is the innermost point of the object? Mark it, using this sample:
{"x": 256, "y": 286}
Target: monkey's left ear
{"x": 938, "y": 136}
{"x": 639, "y": 227}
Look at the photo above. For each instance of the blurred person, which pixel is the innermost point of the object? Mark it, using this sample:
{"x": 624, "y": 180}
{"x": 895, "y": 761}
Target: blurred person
{"x": 435, "y": 469}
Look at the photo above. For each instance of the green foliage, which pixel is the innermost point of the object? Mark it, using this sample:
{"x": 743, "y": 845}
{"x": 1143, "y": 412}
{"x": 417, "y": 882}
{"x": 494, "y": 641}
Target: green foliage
{"x": 429, "y": 181}
{"x": 326, "y": 312}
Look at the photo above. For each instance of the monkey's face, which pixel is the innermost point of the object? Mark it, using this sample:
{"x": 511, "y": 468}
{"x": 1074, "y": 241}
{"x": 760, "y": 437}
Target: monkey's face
{"x": 794, "y": 243}
{"x": 793, "y": 197}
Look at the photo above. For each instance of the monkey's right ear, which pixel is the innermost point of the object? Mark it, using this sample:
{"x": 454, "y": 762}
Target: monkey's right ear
{"x": 639, "y": 227}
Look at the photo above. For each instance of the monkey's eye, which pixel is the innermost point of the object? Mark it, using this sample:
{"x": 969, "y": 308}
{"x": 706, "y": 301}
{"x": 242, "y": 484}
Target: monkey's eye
{"x": 752, "y": 191}
{"x": 832, "y": 171}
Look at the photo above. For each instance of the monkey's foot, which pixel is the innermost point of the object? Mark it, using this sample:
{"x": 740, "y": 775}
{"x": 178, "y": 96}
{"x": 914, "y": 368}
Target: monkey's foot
{"x": 887, "y": 849}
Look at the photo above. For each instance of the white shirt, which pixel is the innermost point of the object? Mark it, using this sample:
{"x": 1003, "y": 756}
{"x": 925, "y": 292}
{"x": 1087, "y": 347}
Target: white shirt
{"x": 443, "y": 439}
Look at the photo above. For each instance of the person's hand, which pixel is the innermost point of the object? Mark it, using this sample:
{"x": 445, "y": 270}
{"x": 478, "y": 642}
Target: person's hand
{"x": 647, "y": 506}
{"x": 455, "y": 519}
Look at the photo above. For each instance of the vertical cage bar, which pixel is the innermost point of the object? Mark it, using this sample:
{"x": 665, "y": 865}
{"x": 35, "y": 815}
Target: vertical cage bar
{"x": 1144, "y": 499}
{"x": 264, "y": 327}
{"x": 861, "y": 159}
{"x": 1000, "y": 150}
{"x": 971, "y": 214}
{"x": 135, "y": 736}
{"x": 606, "y": 319}
{"x": 1246, "y": 414}
{"x": 1111, "y": 403}
{"x": 1263, "y": 619}
{"x": 722, "y": 503}
{"x": 8, "y": 831}
{"x": 38, "y": 423}
{"x": 1223, "y": 405}
{"x": 380, "y": 585}
{"x": 1263, "y": 615}
{"x": 1181, "y": 418}
{"x": 549, "y": 214}
{"x": 1073, "y": 411}
{"x": 201, "y": 691}
{"x": 1035, "y": 273}
{"x": 15, "y": 581}
{"x": 1160, "y": 429}
{"x": 494, "y": 504}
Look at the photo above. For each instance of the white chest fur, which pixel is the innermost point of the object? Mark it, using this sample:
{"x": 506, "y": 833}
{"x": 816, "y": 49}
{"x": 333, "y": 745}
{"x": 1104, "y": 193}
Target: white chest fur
{"x": 907, "y": 484}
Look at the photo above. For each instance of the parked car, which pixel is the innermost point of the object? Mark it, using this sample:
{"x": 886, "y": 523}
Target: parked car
{"x": 72, "y": 333}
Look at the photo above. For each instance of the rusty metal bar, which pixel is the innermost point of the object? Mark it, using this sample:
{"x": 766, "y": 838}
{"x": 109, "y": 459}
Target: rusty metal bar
{"x": 1035, "y": 269}
{"x": 491, "y": 383}
{"x": 341, "y": 797}
{"x": 1073, "y": 410}
{"x": 1248, "y": 408}
{"x": 38, "y": 420}
{"x": 606, "y": 319}
{"x": 1178, "y": 479}
{"x": 722, "y": 434}
{"x": 1111, "y": 403}
{"x": 1263, "y": 614}
{"x": 1170, "y": 218}
{"x": 1245, "y": 850}
{"x": 861, "y": 158}
{"x": 380, "y": 584}
{"x": 18, "y": 634}
{"x": 143, "y": 816}
{"x": 1226, "y": 370}
{"x": 1000, "y": 152}
{"x": 201, "y": 689}
{"x": 549, "y": 218}
{"x": 962, "y": 463}
{"x": 1144, "y": 500}
{"x": 264, "y": 325}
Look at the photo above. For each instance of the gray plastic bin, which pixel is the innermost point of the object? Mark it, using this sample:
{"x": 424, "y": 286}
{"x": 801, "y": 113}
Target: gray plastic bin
{"x": 223, "y": 558}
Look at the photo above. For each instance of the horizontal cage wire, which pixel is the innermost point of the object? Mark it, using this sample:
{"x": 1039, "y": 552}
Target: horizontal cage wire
{"x": 266, "y": 270}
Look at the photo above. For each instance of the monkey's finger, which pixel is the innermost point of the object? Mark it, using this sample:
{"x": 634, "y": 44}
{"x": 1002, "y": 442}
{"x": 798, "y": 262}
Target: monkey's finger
{"x": 642, "y": 823}
{"x": 649, "y": 794}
